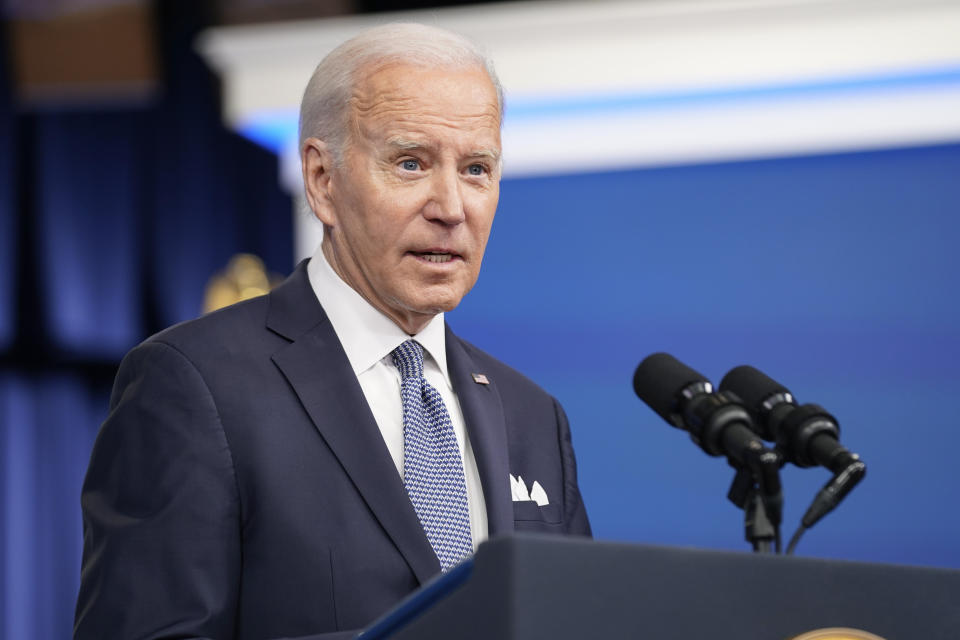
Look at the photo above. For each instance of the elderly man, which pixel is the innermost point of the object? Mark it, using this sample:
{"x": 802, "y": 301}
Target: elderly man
{"x": 296, "y": 464}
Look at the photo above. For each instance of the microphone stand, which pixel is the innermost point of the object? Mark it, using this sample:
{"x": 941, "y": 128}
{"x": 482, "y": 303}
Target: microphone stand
{"x": 757, "y": 490}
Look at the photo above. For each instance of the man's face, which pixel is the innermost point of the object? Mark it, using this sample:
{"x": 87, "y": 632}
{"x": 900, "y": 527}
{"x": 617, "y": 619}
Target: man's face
{"x": 408, "y": 212}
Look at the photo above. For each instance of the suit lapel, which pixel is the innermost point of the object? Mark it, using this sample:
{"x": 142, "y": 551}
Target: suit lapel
{"x": 318, "y": 370}
{"x": 483, "y": 413}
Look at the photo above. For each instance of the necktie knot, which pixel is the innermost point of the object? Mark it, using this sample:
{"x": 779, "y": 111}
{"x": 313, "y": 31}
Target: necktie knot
{"x": 408, "y": 358}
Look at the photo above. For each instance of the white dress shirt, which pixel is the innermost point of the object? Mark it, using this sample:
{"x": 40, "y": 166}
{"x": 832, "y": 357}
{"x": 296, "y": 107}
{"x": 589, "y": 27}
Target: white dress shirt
{"x": 368, "y": 337}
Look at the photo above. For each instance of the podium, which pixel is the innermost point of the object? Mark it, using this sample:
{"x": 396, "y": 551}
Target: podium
{"x": 552, "y": 588}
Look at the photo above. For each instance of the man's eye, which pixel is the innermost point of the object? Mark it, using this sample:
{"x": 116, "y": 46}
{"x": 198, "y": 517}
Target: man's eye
{"x": 410, "y": 165}
{"x": 476, "y": 170}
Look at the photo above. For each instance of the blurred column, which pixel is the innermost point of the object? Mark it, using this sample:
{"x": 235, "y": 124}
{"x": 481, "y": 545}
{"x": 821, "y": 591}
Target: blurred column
{"x": 47, "y": 426}
{"x": 8, "y": 201}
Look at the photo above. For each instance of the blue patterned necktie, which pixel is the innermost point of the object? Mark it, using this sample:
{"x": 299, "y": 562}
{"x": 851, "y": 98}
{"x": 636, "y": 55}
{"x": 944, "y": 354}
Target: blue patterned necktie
{"x": 432, "y": 467}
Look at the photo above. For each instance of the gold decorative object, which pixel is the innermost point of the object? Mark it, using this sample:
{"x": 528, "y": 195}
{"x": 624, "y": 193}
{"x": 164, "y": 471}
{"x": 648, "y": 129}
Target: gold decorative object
{"x": 244, "y": 277}
{"x": 837, "y": 633}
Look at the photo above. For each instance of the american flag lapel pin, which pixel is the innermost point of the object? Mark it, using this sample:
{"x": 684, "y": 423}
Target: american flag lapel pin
{"x": 479, "y": 378}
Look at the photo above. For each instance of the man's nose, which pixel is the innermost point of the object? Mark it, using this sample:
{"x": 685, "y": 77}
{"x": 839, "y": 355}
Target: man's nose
{"x": 446, "y": 201}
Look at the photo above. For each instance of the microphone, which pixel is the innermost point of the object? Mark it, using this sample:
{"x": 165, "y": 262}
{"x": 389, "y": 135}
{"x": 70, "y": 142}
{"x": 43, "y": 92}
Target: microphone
{"x": 720, "y": 425}
{"x": 806, "y": 434}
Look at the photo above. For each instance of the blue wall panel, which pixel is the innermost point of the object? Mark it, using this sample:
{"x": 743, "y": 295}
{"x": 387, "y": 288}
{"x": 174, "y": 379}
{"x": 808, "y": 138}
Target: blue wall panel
{"x": 837, "y": 275}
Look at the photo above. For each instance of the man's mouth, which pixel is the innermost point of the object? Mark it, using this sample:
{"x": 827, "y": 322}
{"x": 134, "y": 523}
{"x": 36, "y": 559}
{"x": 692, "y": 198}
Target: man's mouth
{"x": 434, "y": 256}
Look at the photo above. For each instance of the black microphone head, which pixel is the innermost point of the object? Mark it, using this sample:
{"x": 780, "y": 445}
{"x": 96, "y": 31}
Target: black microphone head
{"x": 752, "y": 386}
{"x": 659, "y": 379}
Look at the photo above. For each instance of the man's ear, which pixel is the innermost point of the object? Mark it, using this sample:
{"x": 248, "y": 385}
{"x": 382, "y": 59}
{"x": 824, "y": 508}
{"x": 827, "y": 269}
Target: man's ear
{"x": 316, "y": 161}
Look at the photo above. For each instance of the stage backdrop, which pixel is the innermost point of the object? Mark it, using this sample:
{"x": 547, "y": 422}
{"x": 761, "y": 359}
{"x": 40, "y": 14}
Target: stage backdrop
{"x": 837, "y": 275}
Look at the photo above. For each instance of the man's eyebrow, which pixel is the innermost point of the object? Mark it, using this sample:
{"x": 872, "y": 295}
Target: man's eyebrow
{"x": 490, "y": 154}
{"x": 405, "y": 144}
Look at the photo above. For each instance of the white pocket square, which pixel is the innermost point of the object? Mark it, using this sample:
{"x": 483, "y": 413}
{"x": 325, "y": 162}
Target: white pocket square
{"x": 518, "y": 489}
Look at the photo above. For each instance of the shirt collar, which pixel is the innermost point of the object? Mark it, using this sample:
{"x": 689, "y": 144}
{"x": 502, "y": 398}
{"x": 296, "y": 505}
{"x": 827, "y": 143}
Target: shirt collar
{"x": 367, "y": 335}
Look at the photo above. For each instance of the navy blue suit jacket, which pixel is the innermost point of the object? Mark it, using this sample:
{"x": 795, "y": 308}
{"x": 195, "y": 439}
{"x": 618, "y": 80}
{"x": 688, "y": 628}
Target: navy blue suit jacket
{"x": 240, "y": 487}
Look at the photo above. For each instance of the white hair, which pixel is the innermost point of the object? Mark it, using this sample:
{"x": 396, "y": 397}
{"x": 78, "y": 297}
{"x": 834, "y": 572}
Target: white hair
{"x": 324, "y": 108}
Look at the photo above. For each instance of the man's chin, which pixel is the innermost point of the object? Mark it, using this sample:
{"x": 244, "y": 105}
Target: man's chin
{"x": 432, "y": 308}
{"x": 429, "y": 306}
{"x": 435, "y": 297}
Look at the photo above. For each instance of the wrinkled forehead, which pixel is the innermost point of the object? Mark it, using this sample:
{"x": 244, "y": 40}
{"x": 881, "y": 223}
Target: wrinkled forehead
{"x": 465, "y": 89}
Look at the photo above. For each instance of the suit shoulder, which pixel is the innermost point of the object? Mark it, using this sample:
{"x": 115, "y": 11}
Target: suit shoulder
{"x": 236, "y": 325}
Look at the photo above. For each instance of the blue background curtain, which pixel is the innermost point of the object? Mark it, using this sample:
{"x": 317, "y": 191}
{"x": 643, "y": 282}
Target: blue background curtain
{"x": 111, "y": 222}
